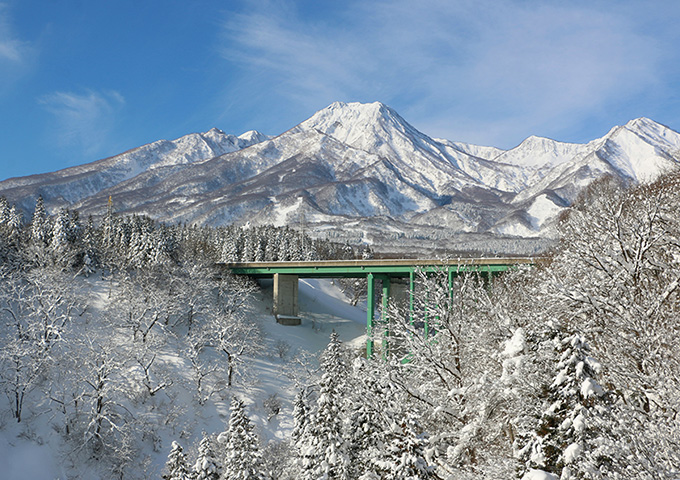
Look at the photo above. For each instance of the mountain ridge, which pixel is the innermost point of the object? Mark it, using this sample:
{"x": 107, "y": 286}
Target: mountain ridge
{"x": 351, "y": 164}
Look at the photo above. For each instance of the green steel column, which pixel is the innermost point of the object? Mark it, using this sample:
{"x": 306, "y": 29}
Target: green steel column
{"x": 370, "y": 312}
{"x": 426, "y": 314}
{"x": 411, "y": 295}
{"x": 450, "y": 283}
{"x": 385, "y": 317}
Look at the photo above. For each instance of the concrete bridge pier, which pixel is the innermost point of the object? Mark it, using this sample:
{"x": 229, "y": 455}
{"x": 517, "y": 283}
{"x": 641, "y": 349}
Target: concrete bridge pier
{"x": 286, "y": 308}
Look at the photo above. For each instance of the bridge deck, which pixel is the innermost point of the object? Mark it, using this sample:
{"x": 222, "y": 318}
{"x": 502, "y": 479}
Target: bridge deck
{"x": 361, "y": 268}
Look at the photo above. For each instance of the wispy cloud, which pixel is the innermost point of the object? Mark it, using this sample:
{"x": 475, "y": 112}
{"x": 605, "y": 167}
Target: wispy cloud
{"x": 505, "y": 67}
{"x": 16, "y": 55}
{"x": 304, "y": 61}
{"x": 83, "y": 121}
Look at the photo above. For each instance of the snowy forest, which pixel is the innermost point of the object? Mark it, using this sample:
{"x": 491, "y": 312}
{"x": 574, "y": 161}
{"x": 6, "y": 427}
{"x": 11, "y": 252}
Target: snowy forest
{"x": 569, "y": 369}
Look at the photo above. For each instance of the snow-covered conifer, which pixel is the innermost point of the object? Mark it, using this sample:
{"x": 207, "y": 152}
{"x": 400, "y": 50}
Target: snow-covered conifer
{"x": 176, "y": 466}
{"x": 243, "y": 460}
{"x": 108, "y": 227}
{"x": 39, "y": 233}
{"x": 90, "y": 254}
{"x": 407, "y": 454}
{"x": 260, "y": 247}
{"x": 4, "y": 210}
{"x": 573, "y": 438}
{"x": 15, "y": 219}
{"x": 300, "y": 416}
{"x": 206, "y": 466}
{"x": 59, "y": 240}
{"x": 323, "y": 447}
{"x": 272, "y": 244}
{"x": 4, "y": 229}
{"x": 230, "y": 253}
{"x": 369, "y": 406}
{"x": 248, "y": 251}
{"x": 138, "y": 249}
{"x": 284, "y": 253}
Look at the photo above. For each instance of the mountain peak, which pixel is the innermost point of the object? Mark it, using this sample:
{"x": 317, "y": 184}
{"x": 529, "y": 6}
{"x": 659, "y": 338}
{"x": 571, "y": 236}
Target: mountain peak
{"x": 539, "y": 152}
{"x": 358, "y": 106}
{"x": 645, "y": 131}
{"x": 643, "y": 122}
{"x": 653, "y": 131}
{"x": 253, "y": 136}
{"x": 351, "y": 114}
{"x": 362, "y": 125}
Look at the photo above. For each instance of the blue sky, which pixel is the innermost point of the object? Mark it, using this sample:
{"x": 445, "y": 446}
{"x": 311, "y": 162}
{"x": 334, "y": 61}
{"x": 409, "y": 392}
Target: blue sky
{"x": 82, "y": 80}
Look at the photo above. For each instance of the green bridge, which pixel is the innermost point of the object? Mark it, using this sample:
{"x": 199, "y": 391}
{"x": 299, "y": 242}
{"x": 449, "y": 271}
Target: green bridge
{"x": 397, "y": 278}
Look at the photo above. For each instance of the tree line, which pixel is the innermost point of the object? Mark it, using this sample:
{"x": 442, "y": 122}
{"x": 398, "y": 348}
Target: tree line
{"x": 133, "y": 241}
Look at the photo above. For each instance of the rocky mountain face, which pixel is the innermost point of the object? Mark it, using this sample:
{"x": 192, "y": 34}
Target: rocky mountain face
{"x": 358, "y": 172}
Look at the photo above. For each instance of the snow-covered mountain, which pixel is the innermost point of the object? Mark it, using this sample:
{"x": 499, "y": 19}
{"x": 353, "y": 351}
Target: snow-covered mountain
{"x": 355, "y": 171}
{"x": 68, "y": 186}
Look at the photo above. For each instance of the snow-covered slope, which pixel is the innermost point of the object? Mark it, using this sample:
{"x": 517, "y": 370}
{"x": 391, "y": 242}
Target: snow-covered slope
{"x": 639, "y": 151}
{"x": 352, "y": 162}
{"x": 65, "y": 187}
{"x": 35, "y": 448}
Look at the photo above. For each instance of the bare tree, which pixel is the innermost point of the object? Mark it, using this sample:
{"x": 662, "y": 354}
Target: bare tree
{"x": 143, "y": 304}
{"x": 226, "y": 328}
{"x": 35, "y": 307}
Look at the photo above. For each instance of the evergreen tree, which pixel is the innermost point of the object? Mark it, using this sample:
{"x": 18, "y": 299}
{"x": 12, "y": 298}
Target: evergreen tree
{"x": 300, "y": 416}
{"x": 323, "y": 449}
{"x": 260, "y": 247}
{"x": 243, "y": 459}
{"x": 4, "y": 229}
{"x": 272, "y": 243}
{"x": 206, "y": 466}
{"x": 248, "y": 251}
{"x": 574, "y": 438}
{"x": 176, "y": 466}
{"x": 365, "y": 429}
{"x": 284, "y": 253}
{"x": 230, "y": 253}
{"x": 38, "y": 224}
{"x": 407, "y": 452}
{"x": 14, "y": 223}
{"x": 4, "y": 211}
{"x": 108, "y": 226}
{"x": 136, "y": 256}
{"x": 59, "y": 240}
{"x": 90, "y": 254}
{"x": 39, "y": 232}
{"x": 297, "y": 253}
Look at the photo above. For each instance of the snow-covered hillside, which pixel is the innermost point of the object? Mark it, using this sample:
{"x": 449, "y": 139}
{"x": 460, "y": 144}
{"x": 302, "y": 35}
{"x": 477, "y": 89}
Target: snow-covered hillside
{"x": 270, "y": 376}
